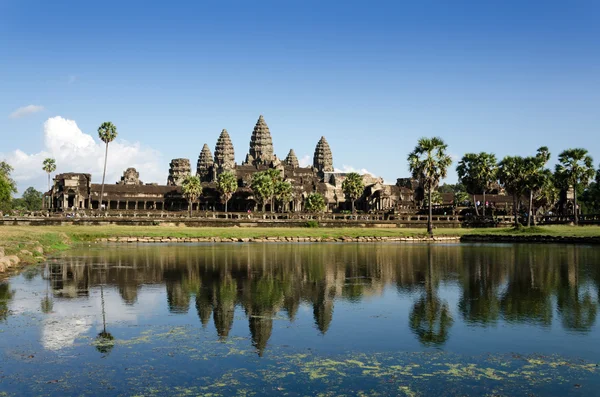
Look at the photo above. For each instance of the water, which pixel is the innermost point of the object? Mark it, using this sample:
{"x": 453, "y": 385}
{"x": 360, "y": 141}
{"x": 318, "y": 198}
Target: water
{"x": 304, "y": 319}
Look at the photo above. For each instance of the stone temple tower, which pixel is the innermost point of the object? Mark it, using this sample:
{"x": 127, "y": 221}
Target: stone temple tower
{"x": 261, "y": 145}
{"x": 292, "y": 160}
{"x": 323, "y": 159}
{"x": 224, "y": 154}
{"x": 178, "y": 170}
{"x": 205, "y": 163}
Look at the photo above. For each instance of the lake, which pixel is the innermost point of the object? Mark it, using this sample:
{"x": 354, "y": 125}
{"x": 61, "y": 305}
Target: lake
{"x": 304, "y": 319}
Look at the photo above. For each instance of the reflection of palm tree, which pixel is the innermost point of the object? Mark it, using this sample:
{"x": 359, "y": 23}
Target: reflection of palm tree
{"x": 6, "y": 295}
{"x": 47, "y": 303}
{"x": 430, "y": 318}
{"x": 578, "y": 311}
{"x": 479, "y": 303}
{"x": 104, "y": 340}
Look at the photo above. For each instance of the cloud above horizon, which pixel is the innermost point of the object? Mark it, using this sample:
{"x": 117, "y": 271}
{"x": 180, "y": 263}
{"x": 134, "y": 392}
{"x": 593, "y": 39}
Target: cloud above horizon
{"x": 25, "y": 111}
{"x": 76, "y": 151}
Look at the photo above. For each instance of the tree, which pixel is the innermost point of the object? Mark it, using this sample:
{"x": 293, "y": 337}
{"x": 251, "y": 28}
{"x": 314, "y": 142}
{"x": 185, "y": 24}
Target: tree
{"x": 452, "y": 188}
{"x": 275, "y": 176}
{"x": 353, "y": 187}
{"x": 314, "y": 202}
{"x": 576, "y": 168}
{"x": 436, "y": 198}
{"x": 32, "y": 199}
{"x": 226, "y": 185}
{"x": 512, "y": 175}
{"x": 429, "y": 163}
{"x": 535, "y": 176}
{"x": 192, "y": 190}
{"x": 477, "y": 172}
{"x": 49, "y": 165}
{"x": 263, "y": 187}
{"x": 7, "y": 186}
{"x": 283, "y": 193}
{"x": 107, "y": 133}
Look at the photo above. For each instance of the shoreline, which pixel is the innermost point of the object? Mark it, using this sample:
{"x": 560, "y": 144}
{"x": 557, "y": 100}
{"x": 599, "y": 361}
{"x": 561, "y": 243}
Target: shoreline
{"x": 26, "y": 245}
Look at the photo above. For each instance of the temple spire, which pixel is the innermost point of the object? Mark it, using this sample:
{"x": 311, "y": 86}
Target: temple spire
{"x": 261, "y": 144}
{"x": 205, "y": 162}
{"x": 292, "y": 160}
{"x": 224, "y": 154}
{"x": 323, "y": 159}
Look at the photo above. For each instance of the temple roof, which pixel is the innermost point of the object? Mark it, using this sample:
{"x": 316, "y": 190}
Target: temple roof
{"x": 292, "y": 160}
{"x": 205, "y": 160}
{"x": 323, "y": 159}
{"x": 261, "y": 144}
{"x": 224, "y": 153}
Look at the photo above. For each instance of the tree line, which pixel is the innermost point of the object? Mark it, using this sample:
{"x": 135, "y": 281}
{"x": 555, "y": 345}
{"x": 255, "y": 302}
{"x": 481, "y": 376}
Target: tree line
{"x": 478, "y": 173}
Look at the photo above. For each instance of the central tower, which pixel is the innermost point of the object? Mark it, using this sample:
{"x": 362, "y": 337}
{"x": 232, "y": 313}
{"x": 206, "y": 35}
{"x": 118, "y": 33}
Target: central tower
{"x": 261, "y": 145}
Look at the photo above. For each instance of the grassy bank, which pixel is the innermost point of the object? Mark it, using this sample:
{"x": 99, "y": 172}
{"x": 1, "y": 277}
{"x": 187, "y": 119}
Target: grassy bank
{"x": 18, "y": 240}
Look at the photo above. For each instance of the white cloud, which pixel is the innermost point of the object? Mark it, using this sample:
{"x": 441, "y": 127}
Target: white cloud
{"x": 349, "y": 168}
{"x": 25, "y": 111}
{"x": 76, "y": 151}
{"x": 305, "y": 161}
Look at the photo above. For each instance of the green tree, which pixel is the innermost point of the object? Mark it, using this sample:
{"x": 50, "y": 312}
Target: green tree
{"x": 513, "y": 176}
{"x": 192, "y": 190}
{"x": 536, "y": 176}
{"x": 576, "y": 168}
{"x": 49, "y": 165}
{"x": 263, "y": 187}
{"x": 32, "y": 199}
{"x": 436, "y": 198}
{"x": 477, "y": 172}
{"x": 283, "y": 193}
{"x": 314, "y": 202}
{"x": 7, "y": 186}
{"x": 275, "y": 176}
{"x": 429, "y": 163}
{"x": 353, "y": 187}
{"x": 107, "y": 132}
{"x": 452, "y": 188}
{"x": 226, "y": 185}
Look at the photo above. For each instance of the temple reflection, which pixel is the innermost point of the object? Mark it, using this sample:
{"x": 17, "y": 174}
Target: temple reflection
{"x": 516, "y": 284}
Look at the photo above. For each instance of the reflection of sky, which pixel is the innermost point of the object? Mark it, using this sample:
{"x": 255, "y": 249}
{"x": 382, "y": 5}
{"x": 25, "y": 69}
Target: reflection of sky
{"x": 73, "y": 318}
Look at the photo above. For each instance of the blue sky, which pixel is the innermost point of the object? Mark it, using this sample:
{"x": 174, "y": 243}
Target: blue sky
{"x": 372, "y": 77}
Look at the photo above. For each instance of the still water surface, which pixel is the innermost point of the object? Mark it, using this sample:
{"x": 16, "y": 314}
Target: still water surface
{"x": 304, "y": 319}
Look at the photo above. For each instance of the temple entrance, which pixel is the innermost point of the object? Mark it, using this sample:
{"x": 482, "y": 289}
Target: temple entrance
{"x": 70, "y": 199}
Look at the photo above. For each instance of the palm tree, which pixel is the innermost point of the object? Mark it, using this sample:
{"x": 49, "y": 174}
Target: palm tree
{"x": 353, "y": 187}
{"x": 49, "y": 165}
{"x": 283, "y": 193}
{"x": 275, "y": 176}
{"x": 107, "y": 133}
{"x": 429, "y": 163}
{"x": 512, "y": 175}
{"x": 314, "y": 202}
{"x": 477, "y": 171}
{"x": 576, "y": 168}
{"x": 536, "y": 175}
{"x": 263, "y": 187}
{"x": 226, "y": 185}
{"x": 192, "y": 190}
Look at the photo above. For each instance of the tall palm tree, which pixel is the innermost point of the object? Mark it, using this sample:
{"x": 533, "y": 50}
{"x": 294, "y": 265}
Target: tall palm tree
{"x": 192, "y": 190}
{"x": 513, "y": 176}
{"x": 429, "y": 163}
{"x": 283, "y": 193}
{"x": 227, "y": 185}
{"x": 477, "y": 171}
{"x": 536, "y": 175}
{"x": 49, "y": 165}
{"x": 576, "y": 168}
{"x": 107, "y": 133}
{"x": 353, "y": 187}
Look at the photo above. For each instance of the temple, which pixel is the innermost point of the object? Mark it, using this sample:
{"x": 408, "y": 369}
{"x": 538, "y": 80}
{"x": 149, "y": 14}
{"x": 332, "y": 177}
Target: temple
{"x": 76, "y": 191}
